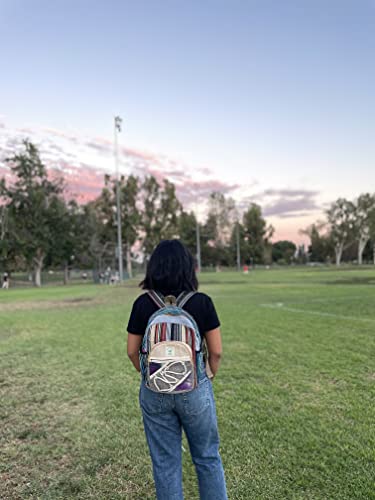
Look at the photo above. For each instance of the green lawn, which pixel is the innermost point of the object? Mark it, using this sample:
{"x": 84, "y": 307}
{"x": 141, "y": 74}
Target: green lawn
{"x": 295, "y": 394}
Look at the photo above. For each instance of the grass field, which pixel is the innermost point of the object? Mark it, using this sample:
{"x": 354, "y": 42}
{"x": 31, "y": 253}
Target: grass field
{"x": 295, "y": 394}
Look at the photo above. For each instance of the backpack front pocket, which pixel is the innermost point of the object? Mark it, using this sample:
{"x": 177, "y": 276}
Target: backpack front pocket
{"x": 171, "y": 368}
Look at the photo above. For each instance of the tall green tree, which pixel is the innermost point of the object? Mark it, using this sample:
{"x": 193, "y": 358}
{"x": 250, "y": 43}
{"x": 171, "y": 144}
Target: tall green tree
{"x": 160, "y": 214}
{"x": 341, "y": 220}
{"x": 363, "y": 209}
{"x": 240, "y": 237}
{"x": 67, "y": 235}
{"x": 7, "y": 250}
{"x": 372, "y": 231}
{"x": 257, "y": 235}
{"x": 131, "y": 216}
{"x": 321, "y": 246}
{"x": 221, "y": 217}
{"x": 106, "y": 208}
{"x": 210, "y": 252}
{"x": 97, "y": 248}
{"x": 216, "y": 231}
{"x": 31, "y": 205}
{"x": 187, "y": 230}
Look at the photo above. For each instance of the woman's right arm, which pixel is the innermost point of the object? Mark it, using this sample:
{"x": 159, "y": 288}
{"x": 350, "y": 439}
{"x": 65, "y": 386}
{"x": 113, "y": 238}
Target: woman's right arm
{"x": 214, "y": 347}
{"x": 134, "y": 343}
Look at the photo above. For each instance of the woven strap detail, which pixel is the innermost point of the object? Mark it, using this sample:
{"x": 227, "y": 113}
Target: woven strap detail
{"x": 156, "y": 299}
{"x": 181, "y": 302}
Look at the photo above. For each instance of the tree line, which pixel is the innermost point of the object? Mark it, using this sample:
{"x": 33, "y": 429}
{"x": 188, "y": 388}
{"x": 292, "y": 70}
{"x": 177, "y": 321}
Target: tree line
{"x": 347, "y": 233}
{"x": 40, "y": 228}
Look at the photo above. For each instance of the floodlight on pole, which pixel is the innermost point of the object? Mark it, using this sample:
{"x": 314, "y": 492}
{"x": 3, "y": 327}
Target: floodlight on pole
{"x": 117, "y": 128}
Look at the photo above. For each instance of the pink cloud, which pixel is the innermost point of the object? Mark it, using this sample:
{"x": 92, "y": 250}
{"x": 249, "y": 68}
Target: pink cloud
{"x": 143, "y": 155}
{"x": 59, "y": 133}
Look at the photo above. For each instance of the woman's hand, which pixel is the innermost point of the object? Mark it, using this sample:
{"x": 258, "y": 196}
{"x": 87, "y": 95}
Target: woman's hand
{"x": 214, "y": 347}
{"x": 134, "y": 343}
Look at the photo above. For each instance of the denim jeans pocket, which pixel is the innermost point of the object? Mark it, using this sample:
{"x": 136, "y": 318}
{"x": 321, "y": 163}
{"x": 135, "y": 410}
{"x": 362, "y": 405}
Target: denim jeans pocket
{"x": 197, "y": 401}
{"x": 150, "y": 401}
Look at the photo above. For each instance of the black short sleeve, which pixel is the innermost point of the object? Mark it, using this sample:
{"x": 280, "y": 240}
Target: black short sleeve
{"x": 201, "y": 307}
{"x": 142, "y": 309}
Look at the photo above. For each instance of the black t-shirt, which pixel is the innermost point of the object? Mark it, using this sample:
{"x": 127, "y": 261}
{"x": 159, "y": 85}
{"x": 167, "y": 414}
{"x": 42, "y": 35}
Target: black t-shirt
{"x": 199, "y": 306}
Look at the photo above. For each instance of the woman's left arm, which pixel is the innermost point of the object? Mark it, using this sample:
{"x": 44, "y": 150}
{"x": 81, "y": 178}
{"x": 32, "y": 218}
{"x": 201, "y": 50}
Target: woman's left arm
{"x": 134, "y": 343}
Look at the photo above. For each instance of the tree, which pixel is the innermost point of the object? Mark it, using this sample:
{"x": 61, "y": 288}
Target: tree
{"x": 283, "y": 251}
{"x": 321, "y": 246}
{"x": 341, "y": 220}
{"x": 67, "y": 234}
{"x": 372, "y": 231}
{"x": 3, "y": 222}
{"x": 96, "y": 248}
{"x": 221, "y": 217}
{"x": 187, "y": 230}
{"x": 159, "y": 219}
{"x": 7, "y": 255}
{"x": 256, "y": 234}
{"x": 106, "y": 208}
{"x": 237, "y": 227}
{"x": 301, "y": 257}
{"x": 130, "y": 215}
{"x": 30, "y": 204}
{"x": 217, "y": 230}
{"x": 362, "y": 214}
{"x": 210, "y": 253}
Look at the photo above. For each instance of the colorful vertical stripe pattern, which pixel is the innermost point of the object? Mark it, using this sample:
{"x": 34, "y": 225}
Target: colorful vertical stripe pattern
{"x": 161, "y": 332}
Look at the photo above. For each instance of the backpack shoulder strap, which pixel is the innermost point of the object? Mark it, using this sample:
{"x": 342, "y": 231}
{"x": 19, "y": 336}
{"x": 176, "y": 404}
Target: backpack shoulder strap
{"x": 156, "y": 298}
{"x": 183, "y": 298}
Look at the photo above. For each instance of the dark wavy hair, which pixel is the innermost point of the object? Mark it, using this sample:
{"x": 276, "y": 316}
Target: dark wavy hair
{"x": 171, "y": 269}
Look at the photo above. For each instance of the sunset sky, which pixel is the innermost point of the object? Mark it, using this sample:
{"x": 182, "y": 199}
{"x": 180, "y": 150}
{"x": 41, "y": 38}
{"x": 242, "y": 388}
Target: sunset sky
{"x": 268, "y": 101}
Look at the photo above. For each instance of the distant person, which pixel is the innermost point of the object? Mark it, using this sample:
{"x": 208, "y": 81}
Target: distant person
{"x": 107, "y": 275}
{"x": 246, "y": 269}
{"x": 171, "y": 279}
{"x": 5, "y": 281}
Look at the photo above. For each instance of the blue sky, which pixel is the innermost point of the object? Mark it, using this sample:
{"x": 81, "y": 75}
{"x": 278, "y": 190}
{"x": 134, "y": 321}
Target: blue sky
{"x": 277, "y": 96}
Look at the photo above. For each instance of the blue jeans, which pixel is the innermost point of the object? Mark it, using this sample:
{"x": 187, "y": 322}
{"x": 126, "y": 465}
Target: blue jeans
{"x": 164, "y": 416}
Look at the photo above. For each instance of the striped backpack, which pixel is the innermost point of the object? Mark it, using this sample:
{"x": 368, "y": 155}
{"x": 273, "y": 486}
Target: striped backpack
{"x": 170, "y": 353}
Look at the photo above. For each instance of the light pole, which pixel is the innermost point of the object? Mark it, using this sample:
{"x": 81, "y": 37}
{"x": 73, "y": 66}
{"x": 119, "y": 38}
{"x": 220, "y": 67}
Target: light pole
{"x": 117, "y": 128}
{"x": 199, "y": 263}
{"x": 238, "y": 246}
{"x": 197, "y": 238}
